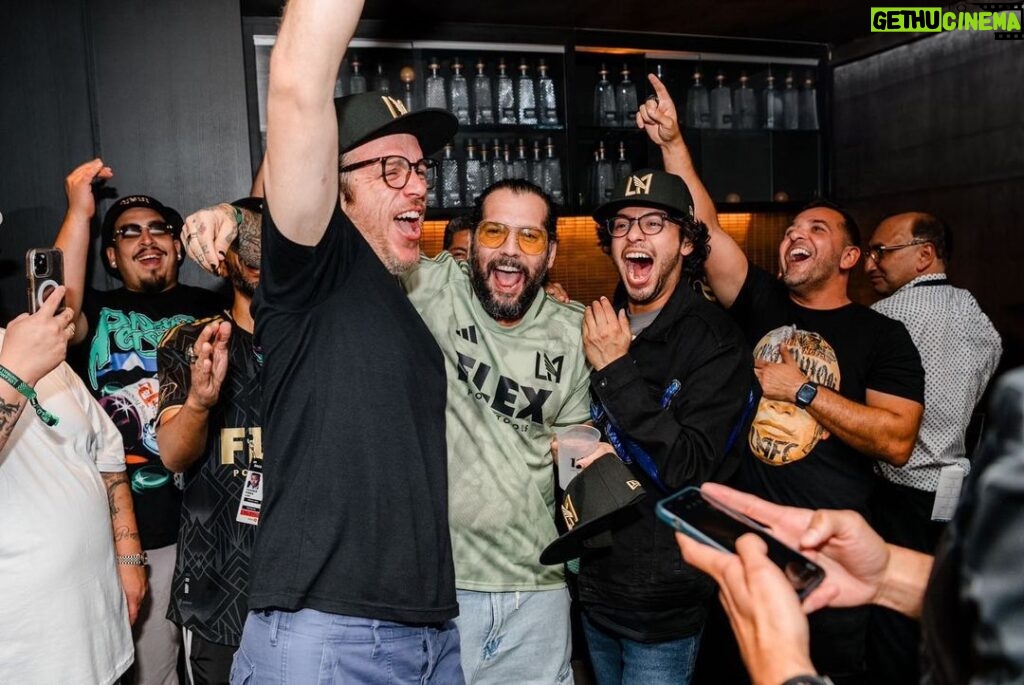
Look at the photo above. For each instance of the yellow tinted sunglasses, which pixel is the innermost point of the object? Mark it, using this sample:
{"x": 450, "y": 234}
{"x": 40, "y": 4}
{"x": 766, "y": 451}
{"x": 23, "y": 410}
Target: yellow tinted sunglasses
{"x": 532, "y": 241}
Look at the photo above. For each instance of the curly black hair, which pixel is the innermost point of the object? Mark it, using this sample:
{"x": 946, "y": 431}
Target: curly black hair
{"x": 690, "y": 229}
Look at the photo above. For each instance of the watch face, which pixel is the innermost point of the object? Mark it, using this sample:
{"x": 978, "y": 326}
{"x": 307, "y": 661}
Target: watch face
{"x": 806, "y": 394}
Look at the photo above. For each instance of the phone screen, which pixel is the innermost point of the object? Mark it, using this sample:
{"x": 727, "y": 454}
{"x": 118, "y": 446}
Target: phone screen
{"x": 712, "y": 523}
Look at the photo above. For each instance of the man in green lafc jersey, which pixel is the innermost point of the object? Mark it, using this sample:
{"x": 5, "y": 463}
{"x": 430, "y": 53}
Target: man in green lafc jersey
{"x": 516, "y": 370}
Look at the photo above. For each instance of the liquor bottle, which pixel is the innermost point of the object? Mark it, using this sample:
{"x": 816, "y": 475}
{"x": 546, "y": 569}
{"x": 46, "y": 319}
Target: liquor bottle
{"x": 526, "y": 96}
{"x": 625, "y": 99}
{"x": 604, "y": 176}
{"x": 485, "y": 167}
{"x": 506, "y": 95}
{"x": 772, "y": 105}
{"x": 381, "y": 82}
{"x": 506, "y": 158}
{"x": 809, "y": 105}
{"x": 451, "y": 189}
{"x": 483, "y": 97}
{"x": 435, "y": 87}
{"x": 623, "y": 168}
{"x": 546, "y": 101}
{"x": 721, "y": 104}
{"x": 472, "y": 182}
{"x": 537, "y": 166}
{"x": 498, "y": 170}
{"x": 698, "y": 107}
{"x": 520, "y": 165}
{"x": 458, "y": 93}
{"x": 790, "y": 105}
{"x": 408, "y": 78}
{"x": 744, "y": 105}
{"x": 339, "y": 82}
{"x": 552, "y": 180}
{"x": 356, "y": 82}
{"x": 604, "y": 101}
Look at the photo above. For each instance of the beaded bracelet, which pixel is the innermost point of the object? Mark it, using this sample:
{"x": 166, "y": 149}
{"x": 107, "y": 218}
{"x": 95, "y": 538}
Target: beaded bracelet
{"x": 27, "y": 390}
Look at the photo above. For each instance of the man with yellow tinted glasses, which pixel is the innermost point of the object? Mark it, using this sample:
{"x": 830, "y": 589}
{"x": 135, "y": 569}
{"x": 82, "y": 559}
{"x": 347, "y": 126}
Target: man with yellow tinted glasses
{"x": 516, "y": 370}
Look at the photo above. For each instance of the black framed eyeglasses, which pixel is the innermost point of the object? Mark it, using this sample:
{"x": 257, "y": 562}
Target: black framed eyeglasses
{"x": 132, "y": 231}
{"x": 651, "y": 223}
{"x": 397, "y": 170}
{"x": 876, "y": 252}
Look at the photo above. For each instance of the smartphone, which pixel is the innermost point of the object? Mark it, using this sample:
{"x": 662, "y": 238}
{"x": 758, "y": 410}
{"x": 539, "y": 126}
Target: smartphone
{"x": 706, "y": 520}
{"x": 44, "y": 271}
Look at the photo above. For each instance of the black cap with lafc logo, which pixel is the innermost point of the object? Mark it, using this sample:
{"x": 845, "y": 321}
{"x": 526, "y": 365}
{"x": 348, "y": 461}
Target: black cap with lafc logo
{"x": 368, "y": 116}
{"x": 649, "y": 188}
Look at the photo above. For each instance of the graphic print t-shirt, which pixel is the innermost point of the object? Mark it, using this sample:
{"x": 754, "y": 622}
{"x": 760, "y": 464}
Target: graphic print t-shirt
{"x": 117, "y": 361}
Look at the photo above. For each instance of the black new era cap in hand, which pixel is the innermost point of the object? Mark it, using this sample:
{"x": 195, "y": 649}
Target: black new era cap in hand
{"x": 368, "y": 116}
{"x": 649, "y": 188}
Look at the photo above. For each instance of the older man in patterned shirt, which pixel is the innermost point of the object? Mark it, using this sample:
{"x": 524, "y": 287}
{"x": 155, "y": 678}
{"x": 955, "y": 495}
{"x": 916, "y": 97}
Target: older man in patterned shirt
{"x": 907, "y": 259}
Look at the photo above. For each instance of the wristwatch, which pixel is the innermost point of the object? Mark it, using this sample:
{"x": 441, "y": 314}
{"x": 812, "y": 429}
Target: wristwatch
{"x": 809, "y": 680}
{"x": 806, "y": 394}
{"x": 140, "y": 559}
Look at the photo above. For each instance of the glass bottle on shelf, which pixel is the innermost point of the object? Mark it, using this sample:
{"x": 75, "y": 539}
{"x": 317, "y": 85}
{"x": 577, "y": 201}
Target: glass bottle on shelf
{"x": 552, "y": 180}
{"x": 772, "y": 105}
{"x": 625, "y": 99}
{"x": 721, "y": 104}
{"x": 408, "y": 78}
{"x": 458, "y": 93}
{"x": 622, "y": 168}
{"x": 604, "y": 100}
{"x": 506, "y": 95}
{"x": 809, "y": 105}
{"x": 472, "y": 181}
{"x": 339, "y": 82}
{"x": 435, "y": 96}
{"x": 536, "y": 166}
{"x": 483, "y": 97}
{"x": 451, "y": 189}
{"x": 520, "y": 165}
{"x": 546, "y": 101}
{"x": 526, "y": 96}
{"x": 698, "y": 107}
{"x": 744, "y": 105}
{"x": 498, "y": 170}
{"x": 604, "y": 176}
{"x": 485, "y": 166}
{"x": 381, "y": 82}
{"x": 356, "y": 82}
{"x": 506, "y": 157}
{"x": 790, "y": 105}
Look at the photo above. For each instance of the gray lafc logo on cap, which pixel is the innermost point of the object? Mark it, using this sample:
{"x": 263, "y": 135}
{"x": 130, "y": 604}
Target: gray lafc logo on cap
{"x": 395, "y": 107}
{"x": 639, "y": 185}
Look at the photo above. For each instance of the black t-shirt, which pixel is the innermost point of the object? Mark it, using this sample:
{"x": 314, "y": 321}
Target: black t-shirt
{"x": 355, "y": 509}
{"x": 872, "y": 350}
{"x": 118, "y": 364}
{"x": 211, "y": 575}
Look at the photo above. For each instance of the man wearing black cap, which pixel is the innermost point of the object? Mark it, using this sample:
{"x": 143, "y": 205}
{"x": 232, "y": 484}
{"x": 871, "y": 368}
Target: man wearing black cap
{"x": 209, "y": 431}
{"x": 352, "y": 577}
{"x": 671, "y": 379}
{"x": 121, "y": 329}
{"x": 874, "y": 412}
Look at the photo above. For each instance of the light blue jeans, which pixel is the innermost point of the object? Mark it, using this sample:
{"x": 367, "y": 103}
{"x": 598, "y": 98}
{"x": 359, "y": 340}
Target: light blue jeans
{"x": 620, "y": 661}
{"x": 310, "y": 647}
{"x": 515, "y": 637}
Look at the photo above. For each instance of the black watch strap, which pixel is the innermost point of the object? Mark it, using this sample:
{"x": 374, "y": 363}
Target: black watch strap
{"x": 809, "y": 680}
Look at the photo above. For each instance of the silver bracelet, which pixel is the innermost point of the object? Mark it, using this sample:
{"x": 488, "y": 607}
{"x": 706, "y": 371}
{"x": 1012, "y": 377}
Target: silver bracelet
{"x": 140, "y": 559}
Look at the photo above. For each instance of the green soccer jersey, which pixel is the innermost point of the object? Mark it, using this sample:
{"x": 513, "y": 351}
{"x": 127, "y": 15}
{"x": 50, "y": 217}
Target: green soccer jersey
{"x": 508, "y": 388}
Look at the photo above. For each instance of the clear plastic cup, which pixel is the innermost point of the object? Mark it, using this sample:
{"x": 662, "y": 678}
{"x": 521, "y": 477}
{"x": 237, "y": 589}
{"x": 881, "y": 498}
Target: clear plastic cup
{"x": 574, "y": 443}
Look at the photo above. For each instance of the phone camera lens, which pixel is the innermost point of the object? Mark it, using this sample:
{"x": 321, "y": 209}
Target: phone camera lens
{"x": 41, "y": 265}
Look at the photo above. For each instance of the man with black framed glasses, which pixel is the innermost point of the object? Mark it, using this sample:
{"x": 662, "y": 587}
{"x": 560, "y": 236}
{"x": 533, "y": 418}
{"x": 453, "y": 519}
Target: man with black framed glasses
{"x": 908, "y": 255}
{"x": 516, "y": 372}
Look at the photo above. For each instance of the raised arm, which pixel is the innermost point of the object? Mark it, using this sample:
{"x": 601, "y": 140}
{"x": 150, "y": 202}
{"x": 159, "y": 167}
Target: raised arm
{"x": 73, "y": 238}
{"x": 726, "y": 266}
{"x": 301, "y": 163}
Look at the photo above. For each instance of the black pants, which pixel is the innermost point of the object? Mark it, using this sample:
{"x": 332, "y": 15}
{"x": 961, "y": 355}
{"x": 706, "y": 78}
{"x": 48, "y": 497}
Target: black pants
{"x": 210, "y": 662}
{"x": 902, "y": 516}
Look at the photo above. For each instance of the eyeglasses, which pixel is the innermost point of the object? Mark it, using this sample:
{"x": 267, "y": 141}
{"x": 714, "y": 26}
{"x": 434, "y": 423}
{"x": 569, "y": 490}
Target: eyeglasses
{"x": 133, "y": 231}
{"x": 397, "y": 170}
{"x": 876, "y": 253}
{"x": 652, "y": 223}
{"x": 532, "y": 241}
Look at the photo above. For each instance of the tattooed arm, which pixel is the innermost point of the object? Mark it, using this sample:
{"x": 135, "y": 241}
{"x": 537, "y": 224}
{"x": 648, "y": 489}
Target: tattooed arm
{"x": 126, "y": 539}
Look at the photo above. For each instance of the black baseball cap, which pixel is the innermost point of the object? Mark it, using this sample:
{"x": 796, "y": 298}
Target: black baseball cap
{"x": 595, "y": 501}
{"x": 367, "y": 116}
{"x": 123, "y": 204}
{"x": 649, "y": 188}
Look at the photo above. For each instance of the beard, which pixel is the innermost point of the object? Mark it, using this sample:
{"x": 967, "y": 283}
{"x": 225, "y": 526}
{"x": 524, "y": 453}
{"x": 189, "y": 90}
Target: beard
{"x": 152, "y": 285}
{"x": 501, "y": 309}
{"x": 238, "y": 280}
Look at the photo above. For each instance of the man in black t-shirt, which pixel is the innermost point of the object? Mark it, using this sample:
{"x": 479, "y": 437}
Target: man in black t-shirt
{"x": 352, "y": 579}
{"x": 209, "y": 431}
{"x": 120, "y": 330}
{"x": 875, "y": 412}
